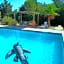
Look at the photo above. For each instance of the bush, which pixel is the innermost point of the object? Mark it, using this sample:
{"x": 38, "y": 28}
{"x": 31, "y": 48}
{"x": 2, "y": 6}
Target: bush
{"x": 8, "y": 21}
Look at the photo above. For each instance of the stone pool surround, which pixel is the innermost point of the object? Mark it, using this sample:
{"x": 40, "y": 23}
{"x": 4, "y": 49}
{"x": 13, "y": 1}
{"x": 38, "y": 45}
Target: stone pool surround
{"x": 36, "y": 29}
{"x": 46, "y": 30}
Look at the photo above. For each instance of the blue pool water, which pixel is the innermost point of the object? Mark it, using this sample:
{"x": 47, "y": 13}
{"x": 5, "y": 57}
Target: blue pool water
{"x": 46, "y": 48}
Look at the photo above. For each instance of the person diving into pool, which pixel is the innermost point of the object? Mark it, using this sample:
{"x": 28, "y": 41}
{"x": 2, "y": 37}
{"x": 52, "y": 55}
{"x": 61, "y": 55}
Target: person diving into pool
{"x": 19, "y": 51}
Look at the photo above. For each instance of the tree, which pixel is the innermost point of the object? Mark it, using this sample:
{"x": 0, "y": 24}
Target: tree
{"x": 39, "y": 7}
{"x": 30, "y": 5}
{"x": 5, "y": 8}
{"x": 59, "y": 4}
{"x": 23, "y": 8}
{"x": 49, "y": 10}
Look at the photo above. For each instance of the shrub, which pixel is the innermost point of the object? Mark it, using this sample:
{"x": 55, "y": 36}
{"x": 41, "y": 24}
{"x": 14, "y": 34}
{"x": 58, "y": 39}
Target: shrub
{"x": 8, "y": 21}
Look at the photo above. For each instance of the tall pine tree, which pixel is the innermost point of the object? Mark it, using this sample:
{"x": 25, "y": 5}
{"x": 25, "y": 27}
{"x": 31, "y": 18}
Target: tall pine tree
{"x": 5, "y": 8}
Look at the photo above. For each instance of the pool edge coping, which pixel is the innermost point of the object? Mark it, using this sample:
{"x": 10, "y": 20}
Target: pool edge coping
{"x": 46, "y": 30}
{"x": 36, "y": 29}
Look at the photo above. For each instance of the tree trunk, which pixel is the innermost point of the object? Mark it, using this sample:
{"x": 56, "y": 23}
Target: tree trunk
{"x": 33, "y": 17}
{"x": 48, "y": 21}
{"x": 38, "y": 19}
{"x": 21, "y": 17}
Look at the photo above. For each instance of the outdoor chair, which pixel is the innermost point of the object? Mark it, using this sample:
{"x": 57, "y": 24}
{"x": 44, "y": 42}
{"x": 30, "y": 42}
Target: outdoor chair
{"x": 45, "y": 24}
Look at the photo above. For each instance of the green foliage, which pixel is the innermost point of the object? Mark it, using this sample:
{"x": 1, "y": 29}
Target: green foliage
{"x": 5, "y": 8}
{"x": 8, "y": 21}
{"x": 59, "y": 4}
{"x": 39, "y": 7}
{"x": 30, "y": 5}
{"x": 49, "y": 9}
{"x": 23, "y": 8}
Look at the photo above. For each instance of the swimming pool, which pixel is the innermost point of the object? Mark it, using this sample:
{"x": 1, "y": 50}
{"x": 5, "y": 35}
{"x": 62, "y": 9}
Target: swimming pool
{"x": 46, "y": 48}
